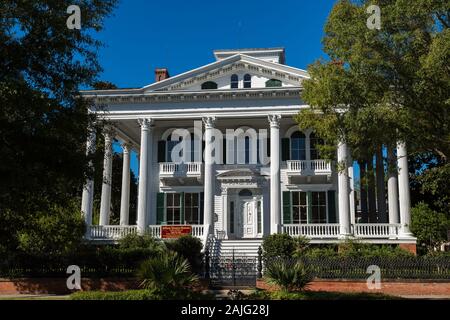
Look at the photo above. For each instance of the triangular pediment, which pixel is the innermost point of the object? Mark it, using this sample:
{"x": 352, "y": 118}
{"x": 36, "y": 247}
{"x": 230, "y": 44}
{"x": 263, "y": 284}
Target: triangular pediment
{"x": 220, "y": 73}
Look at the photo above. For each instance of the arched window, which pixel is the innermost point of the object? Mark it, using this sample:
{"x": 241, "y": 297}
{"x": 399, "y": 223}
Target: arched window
{"x": 234, "y": 81}
{"x": 314, "y": 141}
{"x": 245, "y": 193}
{"x": 209, "y": 85}
{"x": 273, "y": 83}
{"x": 247, "y": 150}
{"x": 298, "y": 149}
{"x": 247, "y": 81}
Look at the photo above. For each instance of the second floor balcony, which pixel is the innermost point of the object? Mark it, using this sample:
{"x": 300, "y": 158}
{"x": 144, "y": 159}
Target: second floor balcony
{"x": 308, "y": 167}
{"x": 180, "y": 170}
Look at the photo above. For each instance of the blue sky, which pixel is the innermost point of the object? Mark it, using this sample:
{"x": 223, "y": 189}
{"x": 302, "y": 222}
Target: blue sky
{"x": 181, "y": 35}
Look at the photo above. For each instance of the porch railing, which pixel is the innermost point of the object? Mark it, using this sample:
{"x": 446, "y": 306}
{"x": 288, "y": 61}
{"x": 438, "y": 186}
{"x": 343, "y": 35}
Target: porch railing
{"x": 331, "y": 230}
{"x": 308, "y": 166}
{"x": 376, "y": 230}
{"x": 177, "y": 169}
{"x": 112, "y": 232}
{"x": 316, "y": 230}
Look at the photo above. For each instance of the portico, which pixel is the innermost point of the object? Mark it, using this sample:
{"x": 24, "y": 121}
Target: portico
{"x": 267, "y": 177}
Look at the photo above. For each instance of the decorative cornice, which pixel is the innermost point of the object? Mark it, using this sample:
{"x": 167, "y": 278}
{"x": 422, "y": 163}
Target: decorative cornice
{"x": 190, "y": 96}
{"x": 238, "y": 66}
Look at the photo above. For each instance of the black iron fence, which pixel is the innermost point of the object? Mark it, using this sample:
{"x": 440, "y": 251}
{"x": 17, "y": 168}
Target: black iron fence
{"x": 389, "y": 267}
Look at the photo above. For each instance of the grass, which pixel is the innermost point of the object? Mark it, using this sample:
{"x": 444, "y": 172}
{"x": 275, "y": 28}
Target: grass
{"x": 35, "y": 297}
{"x": 318, "y": 295}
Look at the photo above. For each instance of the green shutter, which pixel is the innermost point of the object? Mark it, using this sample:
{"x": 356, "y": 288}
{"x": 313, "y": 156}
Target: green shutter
{"x": 309, "y": 203}
{"x": 202, "y": 206}
{"x": 268, "y": 147}
{"x": 182, "y": 208}
{"x": 160, "y": 208}
{"x": 331, "y": 206}
{"x": 287, "y": 207}
{"x": 224, "y": 151}
{"x": 285, "y": 149}
{"x": 161, "y": 151}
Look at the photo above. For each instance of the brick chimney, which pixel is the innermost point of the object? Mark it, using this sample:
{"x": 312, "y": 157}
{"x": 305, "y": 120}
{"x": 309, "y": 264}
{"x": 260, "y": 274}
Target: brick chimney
{"x": 161, "y": 74}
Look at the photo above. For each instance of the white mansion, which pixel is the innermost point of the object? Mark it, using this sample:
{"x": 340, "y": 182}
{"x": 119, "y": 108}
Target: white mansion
{"x": 250, "y": 170}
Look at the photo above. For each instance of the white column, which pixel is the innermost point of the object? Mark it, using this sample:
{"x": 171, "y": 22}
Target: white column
{"x": 105, "y": 204}
{"x": 87, "y": 199}
{"x": 351, "y": 179}
{"x": 344, "y": 199}
{"x": 275, "y": 184}
{"x": 208, "y": 217}
{"x": 143, "y": 175}
{"x": 381, "y": 193}
{"x": 225, "y": 212}
{"x": 392, "y": 187}
{"x": 125, "y": 195}
{"x": 403, "y": 190}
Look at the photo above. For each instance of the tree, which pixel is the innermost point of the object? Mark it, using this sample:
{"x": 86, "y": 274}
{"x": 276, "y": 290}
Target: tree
{"x": 42, "y": 121}
{"x": 374, "y": 89}
{"x": 430, "y": 227}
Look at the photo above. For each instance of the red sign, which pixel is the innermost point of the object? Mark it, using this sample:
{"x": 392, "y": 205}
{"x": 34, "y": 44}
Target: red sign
{"x": 173, "y": 232}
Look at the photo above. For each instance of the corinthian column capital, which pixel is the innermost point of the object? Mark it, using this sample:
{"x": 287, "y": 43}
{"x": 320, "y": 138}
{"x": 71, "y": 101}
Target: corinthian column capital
{"x": 210, "y": 122}
{"x": 145, "y": 123}
{"x": 274, "y": 120}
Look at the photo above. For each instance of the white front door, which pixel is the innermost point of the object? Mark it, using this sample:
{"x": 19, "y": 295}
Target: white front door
{"x": 248, "y": 218}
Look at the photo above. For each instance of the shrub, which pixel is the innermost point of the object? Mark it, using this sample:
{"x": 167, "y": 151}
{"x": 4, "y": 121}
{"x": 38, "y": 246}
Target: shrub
{"x": 121, "y": 295}
{"x": 168, "y": 274}
{"x": 301, "y": 245}
{"x": 430, "y": 227}
{"x": 288, "y": 274}
{"x": 279, "y": 245}
{"x": 53, "y": 233}
{"x": 316, "y": 252}
{"x": 189, "y": 248}
{"x": 135, "y": 241}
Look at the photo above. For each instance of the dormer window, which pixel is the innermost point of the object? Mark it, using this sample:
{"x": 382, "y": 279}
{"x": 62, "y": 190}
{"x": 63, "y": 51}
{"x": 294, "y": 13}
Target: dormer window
{"x": 273, "y": 83}
{"x": 209, "y": 85}
{"x": 234, "y": 81}
{"x": 247, "y": 81}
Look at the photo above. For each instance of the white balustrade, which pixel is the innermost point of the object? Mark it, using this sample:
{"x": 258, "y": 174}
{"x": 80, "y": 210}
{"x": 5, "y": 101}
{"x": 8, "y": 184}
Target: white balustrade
{"x": 111, "y": 232}
{"x": 313, "y": 230}
{"x": 197, "y": 230}
{"x": 308, "y": 166}
{"x": 179, "y": 169}
{"x": 376, "y": 230}
{"x": 154, "y": 231}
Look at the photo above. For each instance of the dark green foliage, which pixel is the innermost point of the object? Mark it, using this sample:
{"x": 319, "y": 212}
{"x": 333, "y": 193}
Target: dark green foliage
{"x": 430, "y": 227}
{"x": 136, "y": 241}
{"x": 43, "y": 123}
{"x": 279, "y": 245}
{"x": 167, "y": 274}
{"x": 288, "y": 274}
{"x": 190, "y": 248}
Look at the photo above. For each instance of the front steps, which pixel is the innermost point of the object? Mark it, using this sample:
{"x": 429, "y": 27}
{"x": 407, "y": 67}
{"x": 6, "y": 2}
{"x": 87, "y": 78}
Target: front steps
{"x": 221, "y": 248}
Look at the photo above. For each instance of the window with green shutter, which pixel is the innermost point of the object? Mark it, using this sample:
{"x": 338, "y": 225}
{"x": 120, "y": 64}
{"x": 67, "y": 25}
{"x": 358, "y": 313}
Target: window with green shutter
{"x": 160, "y": 208}
{"x": 287, "y": 207}
{"x": 332, "y": 206}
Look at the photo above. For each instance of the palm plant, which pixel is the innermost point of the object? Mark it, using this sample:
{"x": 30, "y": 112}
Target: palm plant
{"x": 166, "y": 273}
{"x": 288, "y": 274}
